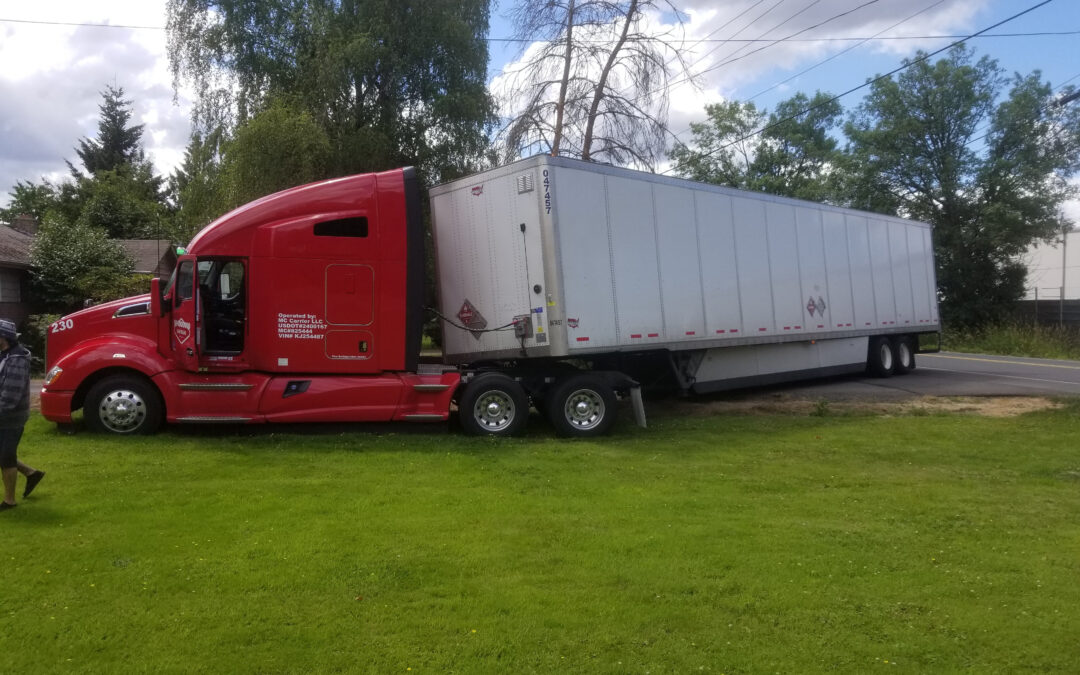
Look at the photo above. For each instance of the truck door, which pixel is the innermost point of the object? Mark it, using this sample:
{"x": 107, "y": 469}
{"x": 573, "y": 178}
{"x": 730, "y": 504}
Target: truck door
{"x": 184, "y": 324}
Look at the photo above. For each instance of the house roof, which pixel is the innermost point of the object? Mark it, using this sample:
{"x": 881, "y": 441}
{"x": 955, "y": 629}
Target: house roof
{"x": 152, "y": 256}
{"x": 14, "y": 248}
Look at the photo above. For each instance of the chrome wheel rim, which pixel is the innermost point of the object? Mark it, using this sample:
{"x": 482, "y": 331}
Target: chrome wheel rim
{"x": 584, "y": 409}
{"x": 122, "y": 411}
{"x": 494, "y": 410}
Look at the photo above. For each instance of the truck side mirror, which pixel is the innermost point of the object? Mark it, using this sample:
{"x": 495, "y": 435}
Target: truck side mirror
{"x": 157, "y": 302}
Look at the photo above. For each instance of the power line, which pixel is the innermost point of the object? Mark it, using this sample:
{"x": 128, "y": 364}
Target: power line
{"x": 708, "y": 38}
{"x": 845, "y": 51}
{"x": 784, "y": 39}
{"x": 80, "y": 24}
{"x": 869, "y": 82}
{"x": 690, "y": 78}
{"x": 730, "y": 37}
{"x": 838, "y": 54}
{"x": 876, "y": 36}
{"x": 694, "y": 41}
{"x": 1049, "y": 104}
{"x": 762, "y": 35}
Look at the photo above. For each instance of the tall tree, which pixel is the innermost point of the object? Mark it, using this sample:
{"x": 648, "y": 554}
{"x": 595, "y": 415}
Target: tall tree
{"x": 30, "y": 199}
{"x": 988, "y": 168}
{"x": 195, "y": 188}
{"x": 117, "y": 143}
{"x": 75, "y": 263}
{"x": 796, "y": 155}
{"x": 723, "y": 147}
{"x": 593, "y": 83}
{"x": 389, "y": 83}
{"x": 280, "y": 147}
{"x": 75, "y": 256}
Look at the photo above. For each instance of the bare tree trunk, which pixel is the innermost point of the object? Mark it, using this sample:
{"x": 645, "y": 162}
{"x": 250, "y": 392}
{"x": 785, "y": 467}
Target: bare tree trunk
{"x": 598, "y": 94}
{"x": 560, "y": 105}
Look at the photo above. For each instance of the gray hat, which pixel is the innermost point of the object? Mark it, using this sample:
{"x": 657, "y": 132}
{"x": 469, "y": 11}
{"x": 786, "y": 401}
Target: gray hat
{"x": 7, "y": 330}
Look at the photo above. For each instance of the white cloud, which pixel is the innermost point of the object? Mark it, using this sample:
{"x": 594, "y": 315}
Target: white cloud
{"x": 51, "y": 78}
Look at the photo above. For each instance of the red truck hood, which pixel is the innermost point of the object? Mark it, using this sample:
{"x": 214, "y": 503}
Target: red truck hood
{"x": 100, "y": 321}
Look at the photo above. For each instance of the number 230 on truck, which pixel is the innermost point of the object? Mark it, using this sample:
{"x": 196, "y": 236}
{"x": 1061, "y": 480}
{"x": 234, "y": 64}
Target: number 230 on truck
{"x": 562, "y": 286}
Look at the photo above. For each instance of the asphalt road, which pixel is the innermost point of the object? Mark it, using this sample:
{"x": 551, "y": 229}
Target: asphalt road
{"x": 952, "y": 374}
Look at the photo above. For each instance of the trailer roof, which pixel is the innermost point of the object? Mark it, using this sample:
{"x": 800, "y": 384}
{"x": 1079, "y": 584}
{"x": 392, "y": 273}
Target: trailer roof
{"x": 607, "y": 169}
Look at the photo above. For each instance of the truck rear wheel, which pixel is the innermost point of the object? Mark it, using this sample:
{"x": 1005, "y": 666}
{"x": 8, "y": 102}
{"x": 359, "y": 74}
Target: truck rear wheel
{"x": 123, "y": 404}
{"x": 493, "y": 405}
{"x": 882, "y": 359}
{"x": 905, "y": 355}
{"x": 582, "y": 406}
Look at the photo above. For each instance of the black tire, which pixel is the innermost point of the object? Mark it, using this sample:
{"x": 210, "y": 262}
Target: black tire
{"x": 904, "y": 349}
{"x": 493, "y": 405}
{"x": 881, "y": 360}
{"x": 123, "y": 404}
{"x": 581, "y": 406}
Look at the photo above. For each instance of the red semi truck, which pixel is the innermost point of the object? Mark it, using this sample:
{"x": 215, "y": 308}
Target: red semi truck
{"x": 562, "y": 284}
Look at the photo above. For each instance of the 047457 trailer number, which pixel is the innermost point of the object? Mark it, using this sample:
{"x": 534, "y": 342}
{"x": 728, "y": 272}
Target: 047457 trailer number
{"x": 547, "y": 192}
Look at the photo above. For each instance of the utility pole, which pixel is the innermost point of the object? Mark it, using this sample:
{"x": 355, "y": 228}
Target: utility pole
{"x": 1065, "y": 227}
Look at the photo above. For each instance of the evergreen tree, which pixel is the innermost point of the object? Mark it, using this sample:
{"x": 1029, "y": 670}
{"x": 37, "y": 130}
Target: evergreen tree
{"x": 117, "y": 143}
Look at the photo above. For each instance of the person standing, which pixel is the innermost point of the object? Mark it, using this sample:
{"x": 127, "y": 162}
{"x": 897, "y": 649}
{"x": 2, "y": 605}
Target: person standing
{"x": 14, "y": 412}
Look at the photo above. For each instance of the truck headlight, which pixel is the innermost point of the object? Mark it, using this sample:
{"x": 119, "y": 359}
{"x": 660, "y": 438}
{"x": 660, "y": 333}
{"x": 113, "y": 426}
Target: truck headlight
{"x": 53, "y": 375}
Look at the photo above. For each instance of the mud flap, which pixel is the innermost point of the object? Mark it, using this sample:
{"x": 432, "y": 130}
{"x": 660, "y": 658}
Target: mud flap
{"x": 639, "y": 406}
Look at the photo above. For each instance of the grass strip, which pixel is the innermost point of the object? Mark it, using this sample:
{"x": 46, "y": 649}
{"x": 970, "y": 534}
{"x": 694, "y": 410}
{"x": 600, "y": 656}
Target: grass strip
{"x": 709, "y": 544}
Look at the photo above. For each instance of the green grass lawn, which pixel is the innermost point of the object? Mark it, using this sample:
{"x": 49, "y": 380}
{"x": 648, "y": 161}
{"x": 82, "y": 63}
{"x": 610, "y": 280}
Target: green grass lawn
{"x": 1017, "y": 339}
{"x": 723, "y": 544}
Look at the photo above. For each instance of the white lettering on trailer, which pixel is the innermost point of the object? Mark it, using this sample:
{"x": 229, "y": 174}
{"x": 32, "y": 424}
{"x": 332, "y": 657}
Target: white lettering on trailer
{"x": 300, "y": 327}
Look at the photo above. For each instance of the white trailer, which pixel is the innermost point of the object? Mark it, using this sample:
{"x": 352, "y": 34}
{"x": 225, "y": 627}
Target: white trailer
{"x": 555, "y": 260}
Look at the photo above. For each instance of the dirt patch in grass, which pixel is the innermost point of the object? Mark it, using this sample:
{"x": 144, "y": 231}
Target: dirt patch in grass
{"x": 780, "y": 404}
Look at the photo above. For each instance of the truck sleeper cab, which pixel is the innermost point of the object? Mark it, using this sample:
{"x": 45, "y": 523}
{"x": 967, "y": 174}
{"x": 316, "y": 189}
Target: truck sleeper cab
{"x": 305, "y": 305}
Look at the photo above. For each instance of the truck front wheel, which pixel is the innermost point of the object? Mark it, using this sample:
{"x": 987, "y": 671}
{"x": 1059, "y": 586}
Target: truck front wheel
{"x": 123, "y": 404}
{"x": 493, "y": 405}
{"x": 582, "y": 405}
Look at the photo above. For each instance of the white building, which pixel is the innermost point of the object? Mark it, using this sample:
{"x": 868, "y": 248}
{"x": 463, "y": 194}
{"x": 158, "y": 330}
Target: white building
{"x": 1044, "y": 269}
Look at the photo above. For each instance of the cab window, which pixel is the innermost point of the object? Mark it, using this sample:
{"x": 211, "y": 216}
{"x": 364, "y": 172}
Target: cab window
{"x": 185, "y": 282}
{"x": 221, "y": 293}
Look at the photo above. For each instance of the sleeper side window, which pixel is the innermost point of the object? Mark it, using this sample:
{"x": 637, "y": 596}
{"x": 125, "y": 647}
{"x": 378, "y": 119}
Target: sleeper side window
{"x": 343, "y": 227}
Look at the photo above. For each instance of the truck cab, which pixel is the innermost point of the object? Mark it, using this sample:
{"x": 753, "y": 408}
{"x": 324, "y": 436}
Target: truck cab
{"x": 305, "y": 305}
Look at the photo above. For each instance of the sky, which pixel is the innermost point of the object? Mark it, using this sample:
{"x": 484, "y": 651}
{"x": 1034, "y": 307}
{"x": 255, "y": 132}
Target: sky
{"x": 52, "y": 73}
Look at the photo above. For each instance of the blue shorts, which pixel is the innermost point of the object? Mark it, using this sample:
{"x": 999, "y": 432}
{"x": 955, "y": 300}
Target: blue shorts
{"x": 9, "y": 444}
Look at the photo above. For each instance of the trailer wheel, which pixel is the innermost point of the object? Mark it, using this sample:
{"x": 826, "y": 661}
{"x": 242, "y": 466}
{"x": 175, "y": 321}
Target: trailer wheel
{"x": 882, "y": 359}
{"x": 123, "y": 404}
{"x": 905, "y": 355}
{"x": 582, "y": 406}
{"x": 494, "y": 405}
